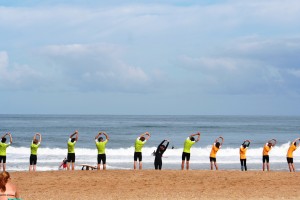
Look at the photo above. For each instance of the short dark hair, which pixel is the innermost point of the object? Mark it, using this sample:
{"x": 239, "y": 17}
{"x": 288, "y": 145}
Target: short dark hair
{"x": 3, "y": 140}
{"x": 218, "y": 144}
{"x": 192, "y": 138}
{"x": 142, "y": 138}
{"x": 73, "y": 140}
{"x": 100, "y": 138}
{"x": 244, "y": 145}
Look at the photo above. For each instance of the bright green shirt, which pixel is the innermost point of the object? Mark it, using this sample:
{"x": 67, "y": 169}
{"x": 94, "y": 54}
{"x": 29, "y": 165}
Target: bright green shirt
{"x": 3, "y": 147}
{"x": 139, "y": 145}
{"x": 187, "y": 145}
{"x": 71, "y": 146}
{"x": 101, "y": 146}
{"x": 34, "y": 148}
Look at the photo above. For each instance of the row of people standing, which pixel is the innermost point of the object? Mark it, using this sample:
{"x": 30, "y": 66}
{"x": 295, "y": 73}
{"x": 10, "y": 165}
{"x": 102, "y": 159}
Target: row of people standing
{"x": 100, "y": 143}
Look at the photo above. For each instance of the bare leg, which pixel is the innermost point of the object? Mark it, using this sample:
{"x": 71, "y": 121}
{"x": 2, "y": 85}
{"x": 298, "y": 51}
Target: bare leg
{"x": 216, "y": 166}
{"x": 141, "y": 165}
{"x": 104, "y": 166}
{"x": 30, "y": 167}
{"x": 73, "y": 166}
{"x": 134, "y": 165}
{"x": 187, "y": 165}
{"x": 292, "y": 167}
{"x": 98, "y": 167}
{"x": 263, "y": 166}
{"x": 68, "y": 166}
{"x": 211, "y": 166}
{"x": 268, "y": 166}
{"x": 182, "y": 165}
{"x": 34, "y": 167}
{"x": 4, "y": 167}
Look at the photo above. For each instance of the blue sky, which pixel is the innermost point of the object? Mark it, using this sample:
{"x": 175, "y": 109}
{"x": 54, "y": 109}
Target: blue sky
{"x": 147, "y": 57}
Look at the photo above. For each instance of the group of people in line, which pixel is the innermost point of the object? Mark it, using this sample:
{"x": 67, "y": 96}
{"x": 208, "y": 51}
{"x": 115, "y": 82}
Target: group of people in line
{"x": 100, "y": 143}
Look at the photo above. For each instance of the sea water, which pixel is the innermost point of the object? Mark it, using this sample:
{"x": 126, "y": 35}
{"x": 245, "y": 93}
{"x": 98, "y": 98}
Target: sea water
{"x": 123, "y": 131}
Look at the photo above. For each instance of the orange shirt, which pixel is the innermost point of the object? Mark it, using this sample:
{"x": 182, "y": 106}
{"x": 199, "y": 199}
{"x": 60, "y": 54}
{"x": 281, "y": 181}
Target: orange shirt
{"x": 266, "y": 150}
{"x": 214, "y": 151}
{"x": 243, "y": 152}
{"x": 292, "y": 148}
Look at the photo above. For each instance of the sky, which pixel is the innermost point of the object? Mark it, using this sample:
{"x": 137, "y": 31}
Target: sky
{"x": 172, "y": 57}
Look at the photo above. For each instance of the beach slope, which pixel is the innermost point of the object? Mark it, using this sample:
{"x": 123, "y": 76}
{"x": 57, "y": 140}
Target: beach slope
{"x": 151, "y": 184}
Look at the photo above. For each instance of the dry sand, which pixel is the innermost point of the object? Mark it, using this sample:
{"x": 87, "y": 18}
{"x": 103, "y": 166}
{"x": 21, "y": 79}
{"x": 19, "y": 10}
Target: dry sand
{"x": 151, "y": 184}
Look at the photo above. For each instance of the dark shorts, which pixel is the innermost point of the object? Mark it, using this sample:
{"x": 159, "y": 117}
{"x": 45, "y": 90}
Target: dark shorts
{"x": 186, "y": 156}
{"x": 211, "y": 159}
{"x": 289, "y": 160}
{"x": 32, "y": 159}
{"x": 71, "y": 157}
{"x": 265, "y": 159}
{"x": 3, "y": 158}
{"x": 101, "y": 157}
{"x": 138, "y": 155}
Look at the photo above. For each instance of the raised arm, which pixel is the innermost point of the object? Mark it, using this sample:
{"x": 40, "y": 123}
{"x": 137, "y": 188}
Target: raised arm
{"x": 167, "y": 144}
{"x": 222, "y": 140}
{"x": 10, "y": 138}
{"x": 296, "y": 140}
{"x": 148, "y": 136}
{"x": 106, "y": 135}
{"x": 3, "y": 136}
{"x": 275, "y": 141}
{"x": 40, "y": 137}
{"x": 74, "y": 134}
{"x": 198, "y": 134}
{"x": 97, "y": 136}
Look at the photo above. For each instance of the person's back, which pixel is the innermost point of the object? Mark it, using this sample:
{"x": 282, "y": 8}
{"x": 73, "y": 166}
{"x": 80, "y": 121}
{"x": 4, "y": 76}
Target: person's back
{"x": 291, "y": 149}
{"x": 214, "y": 150}
{"x": 101, "y": 146}
{"x": 3, "y": 147}
{"x": 7, "y": 189}
{"x": 188, "y": 143}
{"x": 139, "y": 144}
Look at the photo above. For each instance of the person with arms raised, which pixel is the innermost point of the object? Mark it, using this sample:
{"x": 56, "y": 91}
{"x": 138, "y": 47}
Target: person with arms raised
{"x": 213, "y": 153}
{"x": 3, "y": 147}
{"x": 186, "y": 154}
{"x": 35, "y": 144}
{"x": 71, "y": 150}
{"x": 159, "y": 153}
{"x": 267, "y": 148}
{"x": 101, "y": 144}
{"x": 243, "y": 151}
{"x": 289, "y": 156}
{"x": 139, "y": 143}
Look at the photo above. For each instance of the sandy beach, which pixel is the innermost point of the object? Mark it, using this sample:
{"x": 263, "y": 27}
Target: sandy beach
{"x": 151, "y": 184}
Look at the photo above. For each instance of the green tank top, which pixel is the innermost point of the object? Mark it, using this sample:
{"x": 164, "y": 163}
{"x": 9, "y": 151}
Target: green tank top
{"x": 34, "y": 148}
{"x": 139, "y": 145}
{"x": 187, "y": 145}
{"x": 71, "y": 146}
{"x": 101, "y": 146}
{"x": 3, "y": 147}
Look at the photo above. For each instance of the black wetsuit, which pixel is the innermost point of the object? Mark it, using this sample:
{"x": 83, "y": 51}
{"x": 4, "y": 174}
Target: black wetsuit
{"x": 158, "y": 155}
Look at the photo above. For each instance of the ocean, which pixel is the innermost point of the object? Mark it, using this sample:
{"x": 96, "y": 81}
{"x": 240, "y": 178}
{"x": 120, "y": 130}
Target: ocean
{"x": 124, "y": 129}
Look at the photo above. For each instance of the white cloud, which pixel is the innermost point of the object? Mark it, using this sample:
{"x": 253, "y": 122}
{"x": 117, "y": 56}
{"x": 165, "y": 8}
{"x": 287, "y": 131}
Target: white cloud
{"x": 95, "y": 67}
{"x": 16, "y": 76}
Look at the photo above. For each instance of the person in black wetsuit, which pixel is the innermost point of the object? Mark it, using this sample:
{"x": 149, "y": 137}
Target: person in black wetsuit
{"x": 159, "y": 153}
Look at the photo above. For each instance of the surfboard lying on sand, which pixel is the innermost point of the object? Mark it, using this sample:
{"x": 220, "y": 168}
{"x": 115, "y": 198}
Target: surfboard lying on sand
{"x": 87, "y": 167}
